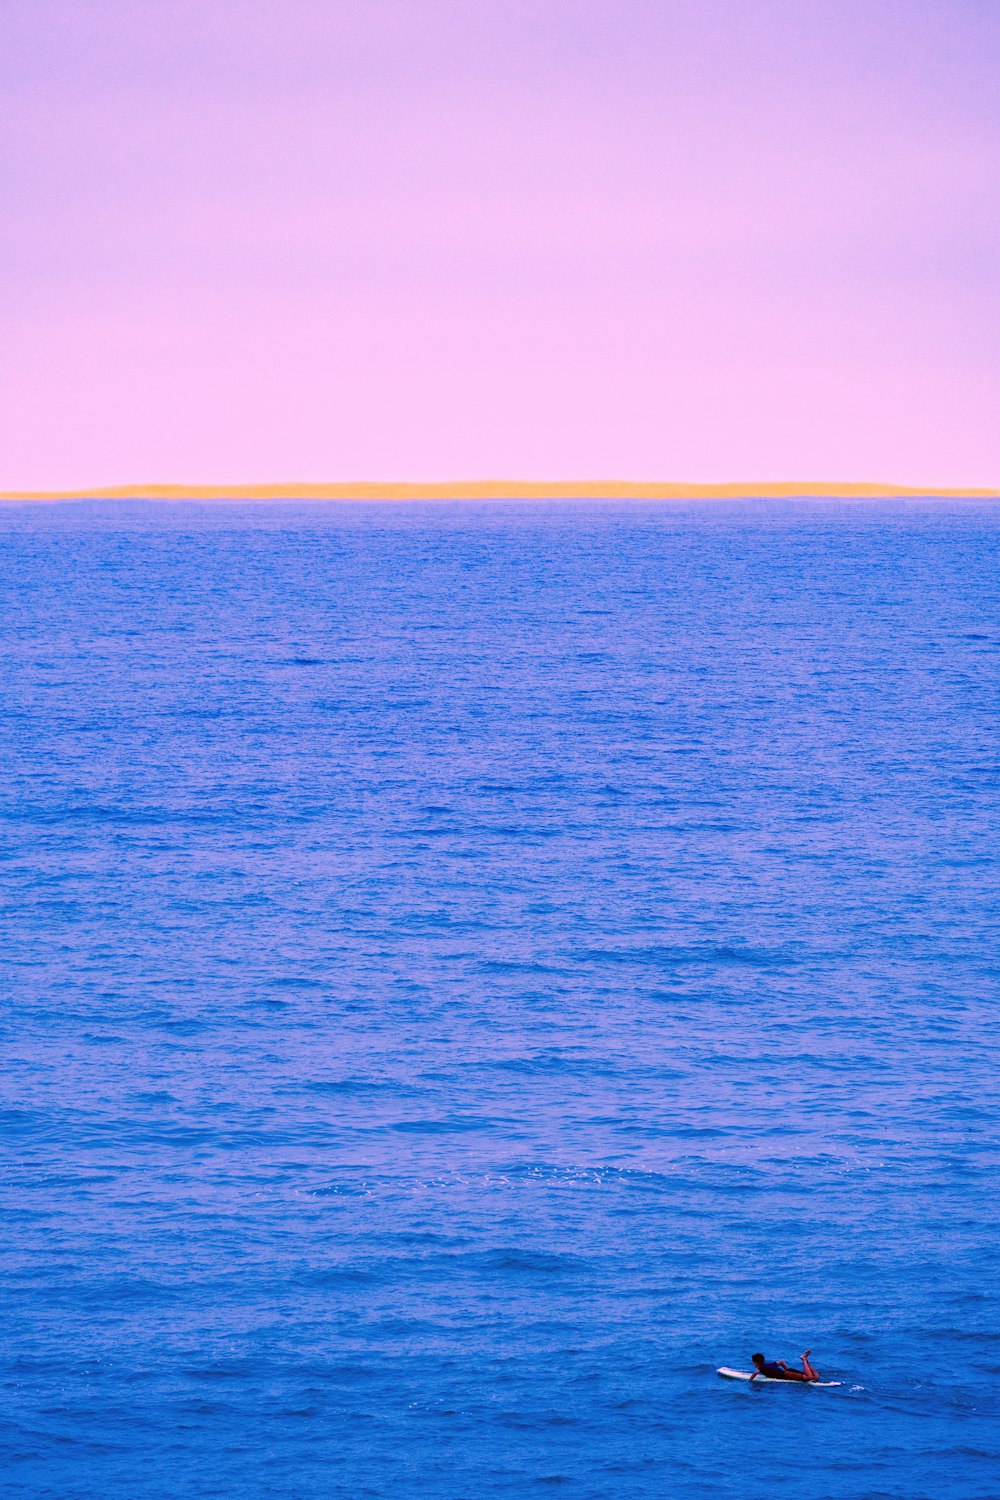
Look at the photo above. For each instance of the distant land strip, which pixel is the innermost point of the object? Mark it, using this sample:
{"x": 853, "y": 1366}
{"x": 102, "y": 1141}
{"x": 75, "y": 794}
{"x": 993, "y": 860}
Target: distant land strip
{"x": 502, "y": 489}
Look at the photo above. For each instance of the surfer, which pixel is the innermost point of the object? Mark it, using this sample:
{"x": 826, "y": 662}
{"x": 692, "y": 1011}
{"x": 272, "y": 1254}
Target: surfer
{"x": 777, "y": 1369}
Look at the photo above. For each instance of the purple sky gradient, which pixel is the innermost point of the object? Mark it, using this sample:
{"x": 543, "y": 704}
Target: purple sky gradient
{"x": 435, "y": 239}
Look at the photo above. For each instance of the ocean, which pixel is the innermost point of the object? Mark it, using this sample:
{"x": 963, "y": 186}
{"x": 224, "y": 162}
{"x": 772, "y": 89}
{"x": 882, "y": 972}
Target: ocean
{"x": 471, "y": 970}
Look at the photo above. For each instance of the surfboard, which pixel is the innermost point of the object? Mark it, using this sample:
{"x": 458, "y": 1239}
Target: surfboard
{"x": 768, "y": 1380}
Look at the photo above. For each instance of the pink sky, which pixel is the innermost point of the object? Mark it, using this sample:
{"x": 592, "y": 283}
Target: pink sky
{"x": 698, "y": 240}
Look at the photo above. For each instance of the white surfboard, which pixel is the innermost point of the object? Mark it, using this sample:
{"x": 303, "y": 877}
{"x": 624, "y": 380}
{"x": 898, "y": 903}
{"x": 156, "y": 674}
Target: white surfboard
{"x": 768, "y": 1380}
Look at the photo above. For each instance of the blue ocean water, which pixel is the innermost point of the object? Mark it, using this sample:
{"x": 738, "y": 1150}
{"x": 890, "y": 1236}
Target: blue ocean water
{"x": 469, "y": 971}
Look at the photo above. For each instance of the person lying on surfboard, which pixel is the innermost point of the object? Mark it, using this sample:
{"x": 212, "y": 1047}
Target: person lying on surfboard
{"x": 777, "y": 1369}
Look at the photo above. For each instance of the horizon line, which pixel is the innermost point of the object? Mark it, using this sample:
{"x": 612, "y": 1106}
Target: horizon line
{"x": 517, "y": 489}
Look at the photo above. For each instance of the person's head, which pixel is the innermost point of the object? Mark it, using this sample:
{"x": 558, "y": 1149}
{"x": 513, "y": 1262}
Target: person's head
{"x": 758, "y": 1360}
